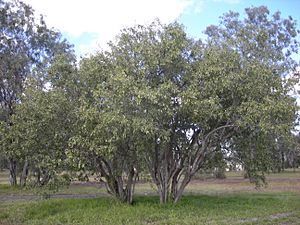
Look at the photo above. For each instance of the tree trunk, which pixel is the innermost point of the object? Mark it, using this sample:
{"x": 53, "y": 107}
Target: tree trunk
{"x": 24, "y": 174}
{"x": 175, "y": 183}
{"x": 161, "y": 175}
{"x": 178, "y": 194}
{"x": 167, "y": 166}
{"x": 131, "y": 185}
{"x": 163, "y": 193}
{"x": 115, "y": 186}
{"x": 38, "y": 177}
{"x": 13, "y": 172}
{"x": 117, "y": 189}
{"x": 165, "y": 184}
{"x": 282, "y": 161}
{"x": 163, "y": 179}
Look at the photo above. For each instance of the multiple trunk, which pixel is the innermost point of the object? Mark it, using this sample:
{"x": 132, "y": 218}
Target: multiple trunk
{"x": 171, "y": 177}
{"x": 122, "y": 188}
{"x": 120, "y": 183}
{"x": 41, "y": 178}
{"x": 172, "y": 167}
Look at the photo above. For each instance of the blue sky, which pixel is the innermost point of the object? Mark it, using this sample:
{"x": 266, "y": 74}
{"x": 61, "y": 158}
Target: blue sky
{"x": 210, "y": 11}
{"x": 90, "y": 24}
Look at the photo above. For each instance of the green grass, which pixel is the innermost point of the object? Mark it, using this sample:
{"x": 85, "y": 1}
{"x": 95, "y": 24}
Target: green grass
{"x": 3, "y": 177}
{"x": 200, "y": 209}
{"x": 5, "y": 189}
{"x": 214, "y": 202}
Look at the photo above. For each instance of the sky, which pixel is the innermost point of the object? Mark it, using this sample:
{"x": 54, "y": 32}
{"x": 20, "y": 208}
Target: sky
{"x": 90, "y": 24}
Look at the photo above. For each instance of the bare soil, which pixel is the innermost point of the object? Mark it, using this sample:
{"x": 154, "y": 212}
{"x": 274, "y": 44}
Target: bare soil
{"x": 200, "y": 186}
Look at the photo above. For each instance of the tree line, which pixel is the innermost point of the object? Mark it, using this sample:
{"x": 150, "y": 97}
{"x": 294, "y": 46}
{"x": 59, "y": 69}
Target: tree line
{"x": 157, "y": 101}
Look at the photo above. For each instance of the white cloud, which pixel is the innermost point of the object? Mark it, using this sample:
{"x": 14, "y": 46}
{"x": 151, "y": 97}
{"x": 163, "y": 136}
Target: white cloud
{"x": 105, "y": 18}
{"x": 229, "y": 1}
{"x": 198, "y": 6}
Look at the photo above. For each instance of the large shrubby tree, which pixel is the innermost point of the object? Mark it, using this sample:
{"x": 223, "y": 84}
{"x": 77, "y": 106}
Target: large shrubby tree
{"x": 27, "y": 48}
{"x": 190, "y": 101}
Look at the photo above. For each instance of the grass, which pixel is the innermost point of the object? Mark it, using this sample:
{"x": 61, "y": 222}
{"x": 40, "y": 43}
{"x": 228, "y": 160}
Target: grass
{"x": 3, "y": 177}
{"x": 201, "y": 209}
{"x": 215, "y": 202}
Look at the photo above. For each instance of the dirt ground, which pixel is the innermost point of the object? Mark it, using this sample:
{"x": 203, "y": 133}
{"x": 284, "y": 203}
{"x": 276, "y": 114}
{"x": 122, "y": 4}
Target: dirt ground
{"x": 239, "y": 184}
{"x": 230, "y": 185}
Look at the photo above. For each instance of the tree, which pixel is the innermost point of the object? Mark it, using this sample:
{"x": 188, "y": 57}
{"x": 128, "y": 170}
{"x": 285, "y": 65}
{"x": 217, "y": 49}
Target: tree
{"x": 265, "y": 44}
{"x": 288, "y": 156}
{"x": 43, "y": 123}
{"x": 192, "y": 102}
{"x": 41, "y": 130}
{"x": 105, "y": 142}
{"x": 158, "y": 59}
{"x": 27, "y": 48}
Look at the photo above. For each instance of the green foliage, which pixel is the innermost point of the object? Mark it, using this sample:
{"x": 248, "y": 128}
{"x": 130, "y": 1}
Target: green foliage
{"x": 28, "y": 49}
{"x": 27, "y": 45}
{"x": 43, "y": 123}
{"x": 40, "y": 129}
{"x": 261, "y": 45}
{"x": 105, "y": 140}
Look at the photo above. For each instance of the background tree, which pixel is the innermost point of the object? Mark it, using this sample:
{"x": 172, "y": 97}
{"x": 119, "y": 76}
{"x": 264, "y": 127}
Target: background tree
{"x": 27, "y": 47}
{"x": 265, "y": 43}
{"x": 42, "y": 126}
